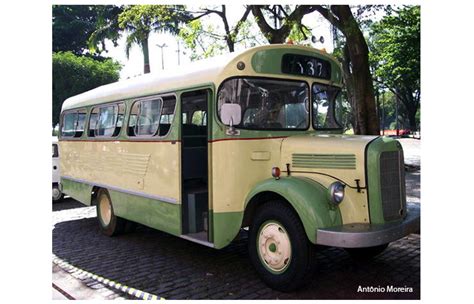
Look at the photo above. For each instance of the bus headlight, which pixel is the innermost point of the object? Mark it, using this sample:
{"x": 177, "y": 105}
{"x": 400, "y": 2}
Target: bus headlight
{"x": 336, "y": 192}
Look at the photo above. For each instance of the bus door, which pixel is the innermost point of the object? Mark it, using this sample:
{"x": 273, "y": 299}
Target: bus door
{"x": 194, "y": 165}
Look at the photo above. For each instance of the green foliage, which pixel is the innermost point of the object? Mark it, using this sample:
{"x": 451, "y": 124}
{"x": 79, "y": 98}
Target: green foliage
{"x": 396, "y": 41}
{"x": 299, "y": 33}
{"x": 74, "y": 74}
{"x": 205, "y": 38}
{"x": 140, "y": 20}
{"x": 73, "y": 26}
{"x": 106, "y": 27}
{"x": 395, "y": 58}
{"x": 201, "y": 40}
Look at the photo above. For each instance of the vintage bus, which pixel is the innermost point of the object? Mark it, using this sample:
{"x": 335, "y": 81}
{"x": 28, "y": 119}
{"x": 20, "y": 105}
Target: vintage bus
{"x": 248, "y": 141}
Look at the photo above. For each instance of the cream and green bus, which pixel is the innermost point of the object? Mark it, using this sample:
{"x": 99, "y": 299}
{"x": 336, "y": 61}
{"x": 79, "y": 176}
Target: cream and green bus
{"x": 249, "y": 141}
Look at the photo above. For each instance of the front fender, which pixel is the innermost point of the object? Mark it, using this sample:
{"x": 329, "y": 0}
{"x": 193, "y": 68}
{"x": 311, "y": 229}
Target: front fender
{"x": 307, "y": 197}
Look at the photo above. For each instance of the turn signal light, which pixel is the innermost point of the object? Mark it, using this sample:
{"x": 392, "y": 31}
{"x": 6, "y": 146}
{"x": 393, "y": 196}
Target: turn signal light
{"x": 276, "y": 172}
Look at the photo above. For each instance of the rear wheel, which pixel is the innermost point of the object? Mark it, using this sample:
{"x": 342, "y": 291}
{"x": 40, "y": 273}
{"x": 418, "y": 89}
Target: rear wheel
{"x": 279, "y": 248}
{"x": 109, "y": 223}
{"x": 57, "y": 194}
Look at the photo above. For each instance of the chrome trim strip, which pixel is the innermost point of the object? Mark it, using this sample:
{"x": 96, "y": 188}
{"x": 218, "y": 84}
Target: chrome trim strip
{"x": 131, "y": 192}
{"x": 369, "y": 235}
{"x": 186, "y": 237}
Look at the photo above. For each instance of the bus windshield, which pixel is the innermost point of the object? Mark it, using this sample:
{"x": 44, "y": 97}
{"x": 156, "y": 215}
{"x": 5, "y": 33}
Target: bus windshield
{"x": 325, "y": 100}
{"x": 268, "y": 104}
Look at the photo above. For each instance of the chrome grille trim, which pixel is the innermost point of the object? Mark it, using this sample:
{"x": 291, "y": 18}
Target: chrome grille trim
{"x": 392, "y": 184}
{"x": 324, "y": 161}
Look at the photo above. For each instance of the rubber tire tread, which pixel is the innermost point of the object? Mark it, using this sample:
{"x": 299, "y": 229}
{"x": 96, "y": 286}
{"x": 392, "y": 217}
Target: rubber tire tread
{"x": 303, "y": 260}
{"x": 116, "y": 225}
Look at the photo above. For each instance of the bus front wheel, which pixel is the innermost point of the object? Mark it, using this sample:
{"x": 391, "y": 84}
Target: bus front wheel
{"x": 279, "y": 248}
{"x": 109, "y": 223}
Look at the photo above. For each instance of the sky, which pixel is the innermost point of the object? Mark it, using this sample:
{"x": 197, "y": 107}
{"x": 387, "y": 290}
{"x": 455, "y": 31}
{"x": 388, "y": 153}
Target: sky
{"x": 133, "y": 66}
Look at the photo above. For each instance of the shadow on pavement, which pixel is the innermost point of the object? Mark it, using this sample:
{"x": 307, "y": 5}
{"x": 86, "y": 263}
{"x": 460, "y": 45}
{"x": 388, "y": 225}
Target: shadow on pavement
{"x": 67, "y": 203}
{"x": 174, "y": 268}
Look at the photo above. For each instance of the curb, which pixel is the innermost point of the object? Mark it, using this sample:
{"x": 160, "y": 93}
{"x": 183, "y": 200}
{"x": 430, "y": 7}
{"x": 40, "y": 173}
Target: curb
{"x": 76, "y": 272}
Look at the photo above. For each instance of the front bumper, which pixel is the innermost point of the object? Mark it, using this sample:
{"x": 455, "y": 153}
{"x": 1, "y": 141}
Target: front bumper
{"x": 369, "y": 235}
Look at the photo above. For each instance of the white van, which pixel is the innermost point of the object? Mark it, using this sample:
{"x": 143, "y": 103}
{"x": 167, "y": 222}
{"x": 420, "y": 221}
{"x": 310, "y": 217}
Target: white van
{"x": 57, "y": 193}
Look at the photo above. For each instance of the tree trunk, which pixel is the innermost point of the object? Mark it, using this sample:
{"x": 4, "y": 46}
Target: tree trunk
{"x": 362, "y": 78}
{"x": 146, "y": 56}
{"x": 357, "y": 57}
{"x": 346, "y": 68}
{"x": 279, "y": 35}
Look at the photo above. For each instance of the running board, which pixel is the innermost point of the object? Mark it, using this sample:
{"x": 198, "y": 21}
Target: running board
{"x": 195, "y": 240}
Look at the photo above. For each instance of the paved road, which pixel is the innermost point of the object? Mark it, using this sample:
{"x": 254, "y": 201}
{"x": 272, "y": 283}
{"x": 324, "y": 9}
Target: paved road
{"x": 173, "y": 268}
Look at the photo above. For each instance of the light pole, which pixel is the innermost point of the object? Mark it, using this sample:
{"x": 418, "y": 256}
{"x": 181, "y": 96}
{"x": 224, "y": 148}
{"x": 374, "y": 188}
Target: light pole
{"x": 162, "y": 59}
{"x": 179, "y": 53}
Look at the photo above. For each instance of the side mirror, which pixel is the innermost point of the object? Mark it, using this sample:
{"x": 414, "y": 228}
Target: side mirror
{"x": 231, "y": 114}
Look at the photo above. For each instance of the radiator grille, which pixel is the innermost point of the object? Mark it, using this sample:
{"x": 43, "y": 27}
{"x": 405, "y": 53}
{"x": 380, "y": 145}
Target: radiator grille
{"x": 392, "y": 182}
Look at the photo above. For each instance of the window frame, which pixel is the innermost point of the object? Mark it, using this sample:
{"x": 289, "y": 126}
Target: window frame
{"x": 76, "y": 123}
{"x": 333, "y": 108}
{"x": 308, "y": 87}
{"x": 139, "y": 101}
{"x": 116, "y": 104}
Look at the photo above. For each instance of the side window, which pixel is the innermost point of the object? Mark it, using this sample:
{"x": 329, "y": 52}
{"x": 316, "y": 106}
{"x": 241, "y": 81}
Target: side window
{"x": 120, "y": 117}
{"x": 93, "y": 121}
{"x": 152, "y": 116}
{"x": 106, "y": 121}
{"x": 145, "y": 117}
{"x": 69, "y": 124}
{"x": 167, "y": 114}
{"x": 73, "y": 123}
{"x": 81, "y": 119}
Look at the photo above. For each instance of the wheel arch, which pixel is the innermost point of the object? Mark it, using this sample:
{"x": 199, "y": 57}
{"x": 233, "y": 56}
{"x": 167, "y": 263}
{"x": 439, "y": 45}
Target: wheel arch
{"x": 94, "y": 192}
{"x": 305, "y": 196}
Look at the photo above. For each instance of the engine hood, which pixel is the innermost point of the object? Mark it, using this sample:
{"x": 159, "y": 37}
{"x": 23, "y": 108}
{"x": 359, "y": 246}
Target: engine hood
{"x": 340, "y": 156}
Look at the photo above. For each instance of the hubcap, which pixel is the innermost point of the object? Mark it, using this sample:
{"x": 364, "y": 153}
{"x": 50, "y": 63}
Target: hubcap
{"x": 105, "y": 210}
{"x": 56, "y": 193}
{"x": 274, "y": 247}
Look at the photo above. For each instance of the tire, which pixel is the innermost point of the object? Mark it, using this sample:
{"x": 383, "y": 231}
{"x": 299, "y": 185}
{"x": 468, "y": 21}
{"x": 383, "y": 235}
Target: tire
{"x": 279, "y": 249}
{"x": 366, "y": 254}
{"x": 109, "y": 223}
{"x": 57, "y": 194}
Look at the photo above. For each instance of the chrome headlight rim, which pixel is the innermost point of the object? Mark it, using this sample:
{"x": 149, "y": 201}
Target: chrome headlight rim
{"x": 336, "y": 192}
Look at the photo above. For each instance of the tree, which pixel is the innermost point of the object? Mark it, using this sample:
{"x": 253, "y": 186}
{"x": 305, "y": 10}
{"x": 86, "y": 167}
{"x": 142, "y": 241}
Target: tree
{"x": 141, "y": 20}
{"x": 74, "y": 74}
{"x": 106, "y": 27}
{"x": 73, "y": 26}
{"x": 230, "y": 35}
{"x": 208, "y": 39}
{"x": 396, "y": 51}
{"x": 290, "y": 21}
{"x": 355, "y": 63}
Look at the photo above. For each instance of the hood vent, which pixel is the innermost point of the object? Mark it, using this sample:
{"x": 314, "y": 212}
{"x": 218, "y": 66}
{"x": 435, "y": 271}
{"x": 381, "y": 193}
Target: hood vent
{"x": 324, "y": 161}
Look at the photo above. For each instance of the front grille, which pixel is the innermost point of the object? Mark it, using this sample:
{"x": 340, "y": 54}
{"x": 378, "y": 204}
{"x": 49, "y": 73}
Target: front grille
{"x": 392, "y": 182}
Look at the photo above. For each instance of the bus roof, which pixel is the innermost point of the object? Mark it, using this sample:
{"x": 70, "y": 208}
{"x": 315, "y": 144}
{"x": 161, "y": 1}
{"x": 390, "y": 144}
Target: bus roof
{"x": 210, "y": 70}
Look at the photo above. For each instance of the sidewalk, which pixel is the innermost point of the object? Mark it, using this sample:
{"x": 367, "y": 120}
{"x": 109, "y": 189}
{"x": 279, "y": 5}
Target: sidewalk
{"x": 412, "y": 152}
{"x": 67, "y": 287}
